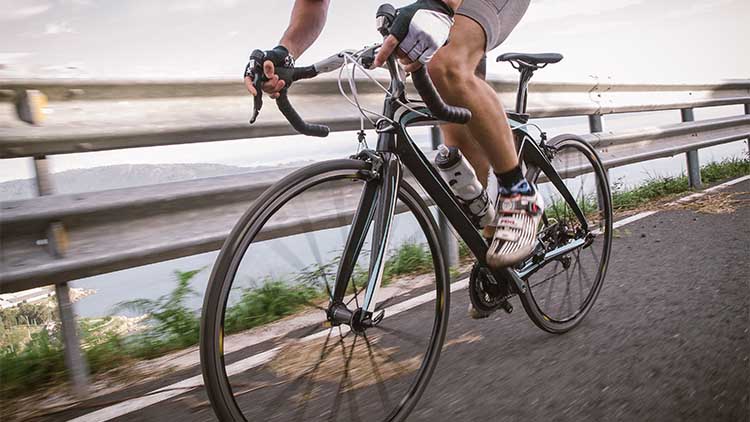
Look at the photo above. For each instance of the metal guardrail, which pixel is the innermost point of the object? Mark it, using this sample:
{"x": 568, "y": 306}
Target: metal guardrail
{"x": 98, "y": 232}
{"x": 105, "y": 122}
{"x": 113, "y": 230}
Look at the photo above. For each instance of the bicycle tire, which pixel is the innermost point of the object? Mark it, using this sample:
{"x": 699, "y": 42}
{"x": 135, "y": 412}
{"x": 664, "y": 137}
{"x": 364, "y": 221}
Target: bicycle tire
{"x": 213, "y": 366}
{"x": 536, "y": 311}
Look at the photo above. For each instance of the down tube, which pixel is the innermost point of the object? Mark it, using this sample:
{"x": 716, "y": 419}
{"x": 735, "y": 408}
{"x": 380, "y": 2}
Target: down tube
{"x": 441, "y": 194}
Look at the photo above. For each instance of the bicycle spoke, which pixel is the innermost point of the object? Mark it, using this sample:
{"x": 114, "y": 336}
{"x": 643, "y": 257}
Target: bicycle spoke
{"x": 271, "y": 406}
{"x": 569, "y": 300}
{"x": 331, "y": 377}
{"x": 382, "y": 391}
{"x": 557, "y": 307}
{"x": 580, "y": 270}
{"x": 337, "y": 399}
{"x": 585, "y": 275}
{"x": 402, "y": 335}
{"x": 557, "y": 263}
{"x": 388, "y": 358}
{"x": 552, "y": 284}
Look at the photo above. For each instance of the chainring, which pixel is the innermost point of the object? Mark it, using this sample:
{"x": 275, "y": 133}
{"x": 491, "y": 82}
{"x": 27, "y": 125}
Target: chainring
{"x": 486, "y": 294}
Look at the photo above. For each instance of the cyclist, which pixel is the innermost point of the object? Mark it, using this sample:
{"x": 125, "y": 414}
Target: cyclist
{"x": 419, "y": 36}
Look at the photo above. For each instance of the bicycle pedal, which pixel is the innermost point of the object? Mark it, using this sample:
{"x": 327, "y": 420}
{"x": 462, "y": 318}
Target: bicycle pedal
{"x": 506, "y": 306}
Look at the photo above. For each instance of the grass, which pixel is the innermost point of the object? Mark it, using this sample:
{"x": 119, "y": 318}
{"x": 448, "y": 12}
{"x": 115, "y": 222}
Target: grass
{"x": 409, "y": 258}
{"x": 270, "y": 302}
{"x": 661, "y": 187}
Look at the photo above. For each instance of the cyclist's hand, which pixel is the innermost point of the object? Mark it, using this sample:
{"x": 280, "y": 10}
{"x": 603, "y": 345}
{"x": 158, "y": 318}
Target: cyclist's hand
{"x": 419, "y": 30}
{"x": 279, "y": 56}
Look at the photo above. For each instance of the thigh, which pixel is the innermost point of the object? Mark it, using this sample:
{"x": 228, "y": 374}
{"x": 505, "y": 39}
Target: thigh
{"x": 497, "y": 18}
{"x": 465, "y": 49}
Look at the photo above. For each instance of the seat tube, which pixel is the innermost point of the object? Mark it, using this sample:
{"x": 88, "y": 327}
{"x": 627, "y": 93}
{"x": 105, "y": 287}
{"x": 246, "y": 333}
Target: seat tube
{"x": 384, "y": 214}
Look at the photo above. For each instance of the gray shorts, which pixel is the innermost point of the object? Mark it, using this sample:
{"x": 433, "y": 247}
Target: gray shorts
{"x": 496, "y": 17}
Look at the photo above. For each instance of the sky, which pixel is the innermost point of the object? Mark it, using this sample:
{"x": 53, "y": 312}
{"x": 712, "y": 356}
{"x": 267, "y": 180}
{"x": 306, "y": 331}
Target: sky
{"x": 651, "y": 41}
{"x": 621, "y": 40}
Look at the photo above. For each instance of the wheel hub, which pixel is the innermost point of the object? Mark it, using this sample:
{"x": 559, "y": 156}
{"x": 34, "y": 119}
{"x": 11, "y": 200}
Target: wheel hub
{"x": 358, "y": 320}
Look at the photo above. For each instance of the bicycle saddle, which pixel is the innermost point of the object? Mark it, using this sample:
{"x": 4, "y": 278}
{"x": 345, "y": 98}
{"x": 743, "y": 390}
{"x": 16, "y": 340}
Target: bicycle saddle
{"x": 532, "y": 59}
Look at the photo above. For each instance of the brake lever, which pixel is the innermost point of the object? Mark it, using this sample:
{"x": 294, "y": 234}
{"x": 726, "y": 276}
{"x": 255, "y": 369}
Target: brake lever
{"x": 256, "y": 64}
{"x": 258, "y": 98}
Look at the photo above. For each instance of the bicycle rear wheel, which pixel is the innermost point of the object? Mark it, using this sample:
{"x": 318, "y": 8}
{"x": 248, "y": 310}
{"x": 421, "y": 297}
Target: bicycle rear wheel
{"x": 562, "y": 292}
{"x": 290, "y": 242}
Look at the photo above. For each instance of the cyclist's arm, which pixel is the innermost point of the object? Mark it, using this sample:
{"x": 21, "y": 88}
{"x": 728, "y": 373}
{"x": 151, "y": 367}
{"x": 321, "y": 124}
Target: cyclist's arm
{"x": 419, "y": 36}
{"x": 305, "y": 25}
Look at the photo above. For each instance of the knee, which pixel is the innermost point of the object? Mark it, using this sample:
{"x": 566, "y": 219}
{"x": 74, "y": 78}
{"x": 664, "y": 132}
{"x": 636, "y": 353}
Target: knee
{"x": 448, "y": 74}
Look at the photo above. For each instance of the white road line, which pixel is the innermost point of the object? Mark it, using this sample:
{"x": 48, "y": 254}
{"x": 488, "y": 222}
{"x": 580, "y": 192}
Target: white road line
{"x": 191, "y": 383}
{"x": 633, "y": 218}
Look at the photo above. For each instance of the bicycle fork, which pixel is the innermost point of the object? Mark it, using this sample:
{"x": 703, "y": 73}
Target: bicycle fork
{"x": 377, "y": 204}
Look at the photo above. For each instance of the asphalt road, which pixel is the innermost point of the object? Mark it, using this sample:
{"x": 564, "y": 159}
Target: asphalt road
{"x": 668, "y": 340}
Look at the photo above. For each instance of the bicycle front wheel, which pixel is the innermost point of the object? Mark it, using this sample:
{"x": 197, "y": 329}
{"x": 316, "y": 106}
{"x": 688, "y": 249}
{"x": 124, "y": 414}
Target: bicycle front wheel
{"x": 563, "y": 290}
{"x": 282, "y": 259}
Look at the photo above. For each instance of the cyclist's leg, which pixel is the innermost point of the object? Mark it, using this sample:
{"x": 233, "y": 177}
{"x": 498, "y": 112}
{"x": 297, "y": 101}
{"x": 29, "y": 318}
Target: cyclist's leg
{"x": 452, "y": 70}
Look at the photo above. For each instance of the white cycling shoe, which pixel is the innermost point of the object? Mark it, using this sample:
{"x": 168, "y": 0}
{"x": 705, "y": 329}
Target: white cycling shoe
{"x": 516, "y": 226}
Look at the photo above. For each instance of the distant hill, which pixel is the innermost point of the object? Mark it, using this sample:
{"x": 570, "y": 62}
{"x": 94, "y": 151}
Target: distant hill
{"x": 118, "y": 176}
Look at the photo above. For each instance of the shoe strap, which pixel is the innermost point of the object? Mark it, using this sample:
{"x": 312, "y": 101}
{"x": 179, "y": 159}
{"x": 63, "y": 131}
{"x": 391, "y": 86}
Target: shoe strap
{"x": 517, "y": 205}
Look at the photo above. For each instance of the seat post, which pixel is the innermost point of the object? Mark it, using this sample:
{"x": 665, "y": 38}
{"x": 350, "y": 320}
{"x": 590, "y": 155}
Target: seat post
{"x": 523, "y": 88}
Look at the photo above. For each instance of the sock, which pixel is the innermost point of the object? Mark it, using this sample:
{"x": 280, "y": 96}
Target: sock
{"x": 512, "y": 182}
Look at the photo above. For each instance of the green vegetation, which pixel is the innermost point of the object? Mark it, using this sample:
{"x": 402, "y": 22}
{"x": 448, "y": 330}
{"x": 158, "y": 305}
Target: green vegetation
{"x": 660, "y": 187}
{"x": 273, "y": 300}
{"x": 410, "y": 258}
{"x": 173, "y": 326}
{"x": 31, "y": 346}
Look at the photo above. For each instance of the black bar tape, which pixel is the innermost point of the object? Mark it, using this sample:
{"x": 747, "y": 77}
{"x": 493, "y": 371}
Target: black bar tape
{"x": 434, "y": 102}
{"x": 306, "y": 72}
{"x": 296, "y": 121}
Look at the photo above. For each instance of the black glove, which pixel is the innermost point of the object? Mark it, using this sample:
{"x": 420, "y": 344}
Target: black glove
{"x": 279, "y": 56}
{"x": 422, "y": 28}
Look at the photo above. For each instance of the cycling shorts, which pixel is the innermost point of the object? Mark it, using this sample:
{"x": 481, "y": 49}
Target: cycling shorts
{"x": 496, "y": 17}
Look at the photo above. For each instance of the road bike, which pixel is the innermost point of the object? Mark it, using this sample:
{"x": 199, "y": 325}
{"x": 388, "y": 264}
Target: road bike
{"x": 320, "y": 236}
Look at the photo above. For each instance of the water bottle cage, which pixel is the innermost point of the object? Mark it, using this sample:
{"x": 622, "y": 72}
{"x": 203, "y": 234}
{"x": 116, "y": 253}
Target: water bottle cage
{"x": 475, "y": 208}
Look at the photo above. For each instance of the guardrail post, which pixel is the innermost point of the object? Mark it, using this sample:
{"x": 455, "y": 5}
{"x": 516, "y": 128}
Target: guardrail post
{"x": 693, "y": 162}
{"x": 595, "y": 123}
{"x": 57, "y": 243}
{"x": 747, "y": 141}
{"x": 447, "y": 239}
{"x": 595, "y": 126}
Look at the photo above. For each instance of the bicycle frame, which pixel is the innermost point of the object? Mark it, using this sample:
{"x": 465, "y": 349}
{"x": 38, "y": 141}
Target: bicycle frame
{"x": 395, "y": 148}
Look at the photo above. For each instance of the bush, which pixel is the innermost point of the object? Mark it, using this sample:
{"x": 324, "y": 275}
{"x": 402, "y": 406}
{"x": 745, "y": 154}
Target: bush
{"x": 409, "y": 258}
{"x": 173, "y": 325}
{"x": 270, "y": 302}
{"x": 39, "y": 362}
{"x": 28, "y": 314}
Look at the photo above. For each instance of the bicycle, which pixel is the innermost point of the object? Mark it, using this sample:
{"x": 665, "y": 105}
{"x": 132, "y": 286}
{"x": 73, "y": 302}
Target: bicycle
{"x": 360, "y": 200}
